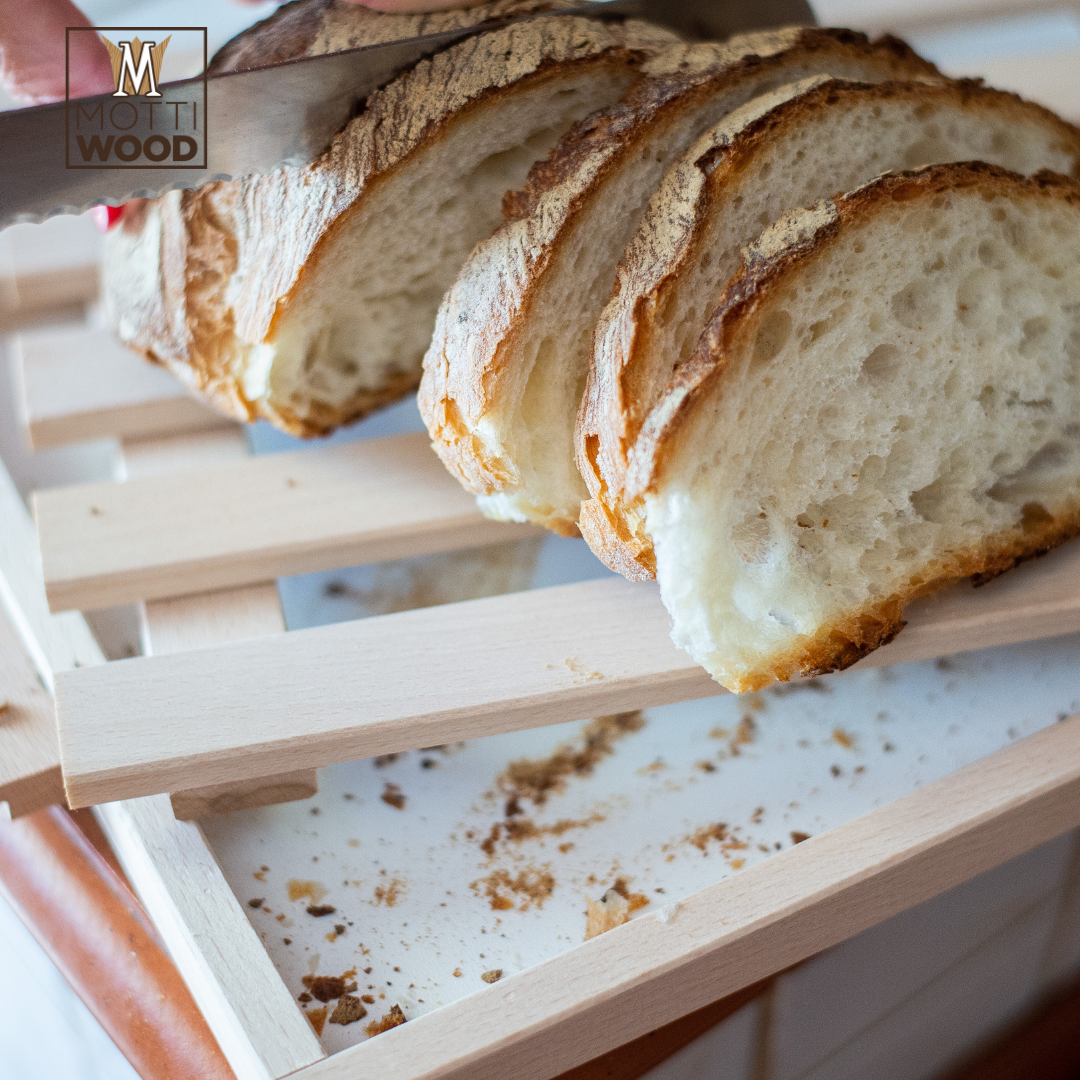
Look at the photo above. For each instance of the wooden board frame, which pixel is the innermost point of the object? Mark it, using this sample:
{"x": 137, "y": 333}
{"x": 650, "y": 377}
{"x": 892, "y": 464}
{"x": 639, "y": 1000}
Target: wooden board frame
{"x": 598, "y": 995}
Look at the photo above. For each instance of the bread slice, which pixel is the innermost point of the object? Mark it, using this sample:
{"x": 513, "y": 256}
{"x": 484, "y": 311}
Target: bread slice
{"x": 887, "y": 400}
{"x": 739, "y": 176}
{"x": 307, "y": 296}
{"x": 507, "y": 365}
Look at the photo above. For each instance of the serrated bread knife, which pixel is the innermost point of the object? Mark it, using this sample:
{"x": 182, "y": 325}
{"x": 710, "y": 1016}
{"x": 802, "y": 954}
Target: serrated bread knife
{"x": 284, "y": 114}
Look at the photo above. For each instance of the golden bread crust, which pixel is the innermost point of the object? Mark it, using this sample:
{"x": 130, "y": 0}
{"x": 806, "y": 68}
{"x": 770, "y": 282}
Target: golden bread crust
{"x": 624, "y": 386}
{"x": 470, "y": 365}
{"x": 771, "y": 266}
{"x": 232, "y": 254}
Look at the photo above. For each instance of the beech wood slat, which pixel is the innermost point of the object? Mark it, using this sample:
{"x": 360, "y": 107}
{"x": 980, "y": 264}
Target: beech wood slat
{"x": 254, "y": 520}
{"x": 29, "y": 752}
{"x": 816, "y": 894}
{"x": 460, "y": 671}
{"x": 208, "y": 619}
{"x": 81, "y": 384}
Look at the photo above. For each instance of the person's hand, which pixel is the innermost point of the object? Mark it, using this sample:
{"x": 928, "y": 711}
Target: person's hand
{"x": 32, "y": 44}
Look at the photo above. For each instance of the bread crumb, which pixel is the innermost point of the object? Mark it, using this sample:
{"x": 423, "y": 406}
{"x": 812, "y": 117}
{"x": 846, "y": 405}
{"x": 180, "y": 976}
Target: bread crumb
{"x": 319, "y": 910}
{"x": 457, "y": 973}
{"x": 389, "y": 894}
{"x": 312, "y": 890}
{"x": 326, "y": 988}
{"x": 257, "y": 903}
{"x": 367, "y": 999}
{"x": 575, "y": 667}
{"x": 394, "y": 1018}
{"x": 393, "y": 796}
{"x": 317, "y": 1018}
{"x": 798, "y": 837}
{"x": 492, "y": 976}
{"x": 539, "y": 779}
{"x": 612, "y": 910}
{"x": 531, "y": 886}
{"x": 348, "y": 1011}
{"x": 842, "y": 738}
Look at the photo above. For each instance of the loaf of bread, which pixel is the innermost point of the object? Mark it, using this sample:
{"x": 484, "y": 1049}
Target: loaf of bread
{"x": 307, "y": 296}
{"x": 507, "y": 365}
{"x": 802, "y": 144}
{"x": 886, "y": 400}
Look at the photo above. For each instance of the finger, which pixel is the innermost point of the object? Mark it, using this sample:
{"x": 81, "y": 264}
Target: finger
{"x": 33, "y": 47}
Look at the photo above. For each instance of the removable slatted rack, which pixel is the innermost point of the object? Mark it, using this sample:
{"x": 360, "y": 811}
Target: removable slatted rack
{"x": 239, "y": 711}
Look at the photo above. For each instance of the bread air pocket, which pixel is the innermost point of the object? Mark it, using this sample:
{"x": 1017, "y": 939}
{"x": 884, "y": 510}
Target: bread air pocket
{"x": 736, "y": 179}
{"x": 886, "y": 400}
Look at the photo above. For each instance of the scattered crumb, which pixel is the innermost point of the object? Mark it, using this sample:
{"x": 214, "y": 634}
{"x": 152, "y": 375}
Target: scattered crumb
{"x": 257, "y": 902}
{"x": 317, "y": 1018}
{"x": 701, "y": 838}
{"x": 385, "y": 759}
{"x": 517, "y": 830}
{"x": 531, "y": 886}
{"x": 305, "y": 997}
{"x": 492, "y": 976}
{"x": 612, "y": 910}
{"x": 348, "y": 1011}
{"x": 842, "y": 738}
{"x": 339, "y": 929}
{"x": 393, "y": 796}
{"x": 319, "y": 910}
{"x": 326, "y": 988}
{"x": 648, "y": 770}
{"x": 705, "y": 766}
{"x": 835, "y": 770}
{"x": 389, "y": 894}
{"x": 287, "y": 940}
{"x": 564, "y": 848}
{"x": 798, "y": 837}
{"x": 313, "y": 890}
{"x": 394, "y": 1018}
{"x": 745, "y": 734}
{"x": 538, "y": 779}
{"x": 737, "y": 864}
{"x": 457, "y": 973}
{"x": 353, "y": 843}
{"x": 575, "y": 667}
{"x": 860, "y": 769}
{"x": 259, "y": 875}
{"x": 636, "y": 900}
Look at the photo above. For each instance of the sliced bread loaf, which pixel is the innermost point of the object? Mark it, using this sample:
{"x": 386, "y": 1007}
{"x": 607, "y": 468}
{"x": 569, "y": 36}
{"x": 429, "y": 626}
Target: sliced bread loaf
{"x": 307, "y": 296}
{"x": 507, "y": 365}
{"x": 737, "y": 178}
{"x": 886, "y": 400}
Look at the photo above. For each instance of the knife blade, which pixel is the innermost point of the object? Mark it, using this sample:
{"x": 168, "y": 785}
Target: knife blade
{"x": 287, "y": 113}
